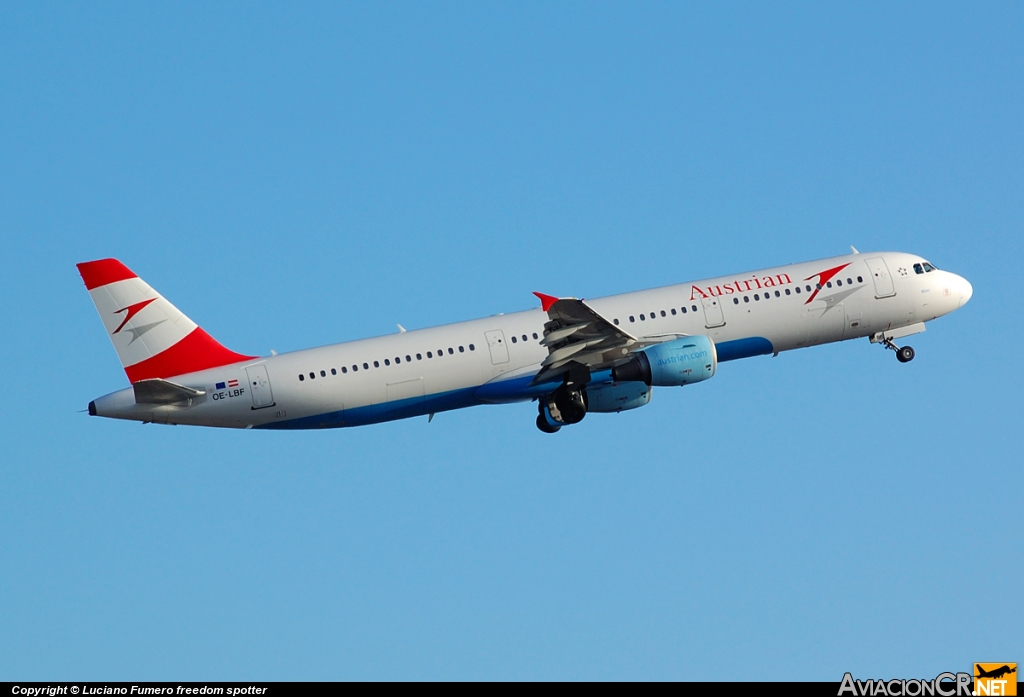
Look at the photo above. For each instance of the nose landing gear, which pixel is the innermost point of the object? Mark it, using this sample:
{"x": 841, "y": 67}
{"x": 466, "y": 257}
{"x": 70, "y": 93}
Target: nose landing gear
{"x": 904, "y": 354}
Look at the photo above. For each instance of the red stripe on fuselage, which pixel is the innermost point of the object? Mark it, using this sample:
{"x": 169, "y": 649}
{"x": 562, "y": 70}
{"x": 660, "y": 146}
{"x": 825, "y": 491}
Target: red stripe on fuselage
{"x": 197, "y": 351}
{"x": 103, "y": 272}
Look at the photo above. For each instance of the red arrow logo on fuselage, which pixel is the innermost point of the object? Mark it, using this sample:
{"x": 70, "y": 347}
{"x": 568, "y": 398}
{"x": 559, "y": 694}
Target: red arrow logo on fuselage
{"x": 823, "y": 278}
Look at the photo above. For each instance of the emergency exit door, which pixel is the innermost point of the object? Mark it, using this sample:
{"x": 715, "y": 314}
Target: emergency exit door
{"x": 497, "y": 346}
{"x": 713, "y": 316}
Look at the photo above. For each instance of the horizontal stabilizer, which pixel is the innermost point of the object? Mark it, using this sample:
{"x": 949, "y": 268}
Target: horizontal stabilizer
{"x": 157, "y": 391}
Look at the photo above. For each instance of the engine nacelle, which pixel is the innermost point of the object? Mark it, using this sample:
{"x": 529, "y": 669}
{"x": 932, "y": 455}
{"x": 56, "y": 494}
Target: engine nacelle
{"x": 672, "y": 364}
{"x": 618, "y": 396}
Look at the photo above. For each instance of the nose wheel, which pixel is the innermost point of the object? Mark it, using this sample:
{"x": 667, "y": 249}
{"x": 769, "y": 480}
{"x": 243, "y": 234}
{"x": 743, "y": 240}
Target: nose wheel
{"x": 904, "y": 354}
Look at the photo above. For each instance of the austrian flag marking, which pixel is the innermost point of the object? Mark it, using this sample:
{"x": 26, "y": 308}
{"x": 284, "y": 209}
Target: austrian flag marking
{"x": 229, "y": 383}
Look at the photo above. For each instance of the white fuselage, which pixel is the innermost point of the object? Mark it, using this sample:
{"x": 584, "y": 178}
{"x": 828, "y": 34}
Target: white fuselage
{"x": 493, "y": 360}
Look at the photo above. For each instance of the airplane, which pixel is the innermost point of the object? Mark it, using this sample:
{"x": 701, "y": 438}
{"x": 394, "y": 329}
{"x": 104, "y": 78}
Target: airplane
{"x": 571, "y": 356}
{"x": 995, "y": 673}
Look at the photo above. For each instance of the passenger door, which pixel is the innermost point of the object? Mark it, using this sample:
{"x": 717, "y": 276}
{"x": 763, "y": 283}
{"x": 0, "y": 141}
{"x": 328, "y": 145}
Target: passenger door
{"x": 884, "y": 287}
{"x": 259, "y": 386}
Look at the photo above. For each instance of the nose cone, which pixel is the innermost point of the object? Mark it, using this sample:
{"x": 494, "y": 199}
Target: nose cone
{"x": 965, "y": 288}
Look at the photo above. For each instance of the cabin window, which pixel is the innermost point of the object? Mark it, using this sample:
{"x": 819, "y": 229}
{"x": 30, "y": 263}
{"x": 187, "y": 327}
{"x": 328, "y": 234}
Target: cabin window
{"x": 787, "y": 291}
{"x": 312, "y": 376}
{"x": 673, "y": 313}
{"x": 386, "y": 362}
{"x": 301, "y": 377}
{"x": 344, "y": 369}
{"x": 662, "y": 313}
{"x": 756, "y": 297}
{"x": 849, "y": 282}
{"x": 778, "y": 294}
{"x": 735, "y": 301}
{"x": 797, "y": 290}
{"x": 355, "y": 369}
{"x": 632, "y": 319}
{"x": 375, "y": 364}
{"x": 419, "y": 356}
{"x": 462, "y": 349}
{"x": 860, "y": 279}
{"x": 816, "y": 285}
{"x": 472, "y": 347}
{"x": 616, "y": 320}
{"x": 333, "y": 371}
{"x": 535, "y": 335}
{"x": 642, "y": 318}
{"x": 829, "y": 284}
{"x": 746, "y": 298}
{"x": 398, "y": 359}
{"x": 694, "y": 307}
{"x": 839, "y": 281}
{"x": 809, "y": 288}
{"x": 323, "y": 373}
{"x": 513, "y": 338}
{"x": 451, "y": 351}
{"x": 653, "y": 315}
{"x": 430, "y": 354}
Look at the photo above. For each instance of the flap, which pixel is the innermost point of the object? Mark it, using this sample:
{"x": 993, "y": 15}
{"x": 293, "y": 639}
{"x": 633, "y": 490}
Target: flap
{"x": 577, "y": 336}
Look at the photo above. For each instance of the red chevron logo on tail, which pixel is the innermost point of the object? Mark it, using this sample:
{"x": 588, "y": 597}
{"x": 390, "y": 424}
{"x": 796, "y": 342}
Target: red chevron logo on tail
{"x": 130, "y": 312}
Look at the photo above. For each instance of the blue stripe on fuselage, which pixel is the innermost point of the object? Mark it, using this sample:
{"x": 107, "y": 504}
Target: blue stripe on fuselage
{"x": 743, "y": 348}
{"x": 385, "y": 411}
{"x": 516, "y": 389}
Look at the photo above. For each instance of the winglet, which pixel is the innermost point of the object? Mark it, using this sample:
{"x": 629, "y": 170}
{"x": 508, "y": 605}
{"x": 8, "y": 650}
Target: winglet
{"x": 546, "y": 301}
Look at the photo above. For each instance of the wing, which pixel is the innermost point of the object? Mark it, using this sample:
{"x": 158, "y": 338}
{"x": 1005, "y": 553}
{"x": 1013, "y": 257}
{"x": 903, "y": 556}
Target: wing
{"x": 576, "y": 336}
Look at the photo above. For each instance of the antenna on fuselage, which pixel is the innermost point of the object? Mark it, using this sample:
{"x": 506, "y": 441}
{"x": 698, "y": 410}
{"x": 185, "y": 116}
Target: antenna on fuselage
{"x": 401, "y": 329}
{"x": 854, "y": 249}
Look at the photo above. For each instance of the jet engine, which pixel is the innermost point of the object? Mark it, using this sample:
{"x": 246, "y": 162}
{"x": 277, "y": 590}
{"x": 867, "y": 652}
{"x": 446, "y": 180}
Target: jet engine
{"x": 618, "y": 396}
{"x": 671, "y": 364}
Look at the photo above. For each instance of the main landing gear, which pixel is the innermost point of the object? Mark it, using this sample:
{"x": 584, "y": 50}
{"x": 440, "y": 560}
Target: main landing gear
{"x": 904, "y": 354}
{"x": 543, "y": 425}
{"x": 565, "y": 406}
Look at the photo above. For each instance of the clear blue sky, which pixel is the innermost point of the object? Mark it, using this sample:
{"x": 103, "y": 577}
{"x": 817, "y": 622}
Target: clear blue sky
{"x": 296, "y": 175}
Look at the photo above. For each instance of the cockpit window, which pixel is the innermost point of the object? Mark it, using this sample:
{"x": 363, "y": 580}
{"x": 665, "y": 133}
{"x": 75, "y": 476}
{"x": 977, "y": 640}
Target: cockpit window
{"x": 918, "y": 268}
{"x": 928, "y": 267}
